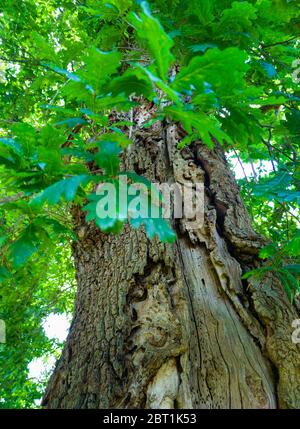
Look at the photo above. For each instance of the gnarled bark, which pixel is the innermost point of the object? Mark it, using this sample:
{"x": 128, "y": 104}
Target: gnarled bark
{"x": 173, "y": 326}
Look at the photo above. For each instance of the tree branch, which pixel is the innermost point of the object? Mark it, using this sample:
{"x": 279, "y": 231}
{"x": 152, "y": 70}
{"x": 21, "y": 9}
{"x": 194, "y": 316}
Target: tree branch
{"x": 284, "y": 42}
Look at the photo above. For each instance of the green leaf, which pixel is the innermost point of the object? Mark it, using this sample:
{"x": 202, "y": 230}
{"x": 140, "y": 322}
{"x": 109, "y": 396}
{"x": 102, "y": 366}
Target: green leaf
{"x": 77, "y": 153}
{"x": 108, "y": 157}
{"x": 205, "y": 126}
{"x": 290, "y": 283}
{"x": 42, "y": 48}
{"x": 267, "y": 251}
{"x": 136, "y": 178}
{"x": 293, "y": 268}
{"x": 158, "y": 43}
{"x": 257, "y": 273}
{"x": 203, "y": 10}
{"x": 24, "y": 246}
{"x": 110, "y": 212}
{"x": 238, "y": 18}
{"x": 270, "y": 186}
{"x": 159, "y": 227}
{"x": 293, "y": 122}
{"x": 51, "y": 137}
{"x": 113, "y": 218}
{"x": 66, "y": 73}
{"x": 3, "y": 239}
{"x": 11, "y": 144}
{"x": 160, "y": 84}
{"x": 212, "y": 67}
{"x": 4, "y": 274}
{"x": 99, "y": 66}
{"x": 105, "y": 11}
{"x": 131, "y": 82}
{"x": 201, "y": 47}
{"x": 117, "y": 137}
{"x": 293, "y": 247}
{"x": 268, "y": 68}
{"x": 72, "y": 122}
{"x": 66, "y": 188}
{"x": 119, "y": 102}
{"x": 26, "y": 137}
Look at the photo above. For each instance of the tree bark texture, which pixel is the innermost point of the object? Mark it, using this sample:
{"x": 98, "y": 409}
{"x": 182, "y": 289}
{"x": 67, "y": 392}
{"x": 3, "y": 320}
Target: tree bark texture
{"x": 174, "y": 326}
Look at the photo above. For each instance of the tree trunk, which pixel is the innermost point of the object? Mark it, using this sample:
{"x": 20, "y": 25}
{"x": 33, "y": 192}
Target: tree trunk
{"x": 174, "y": 326}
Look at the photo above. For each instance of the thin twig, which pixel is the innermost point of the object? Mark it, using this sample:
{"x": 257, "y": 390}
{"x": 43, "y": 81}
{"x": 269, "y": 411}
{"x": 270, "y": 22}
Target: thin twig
{"x": 269, "y": 146}
{"x": 284, "y": 42}
{"x": 12, "y": 198}
{"x": 247, "y": 180}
